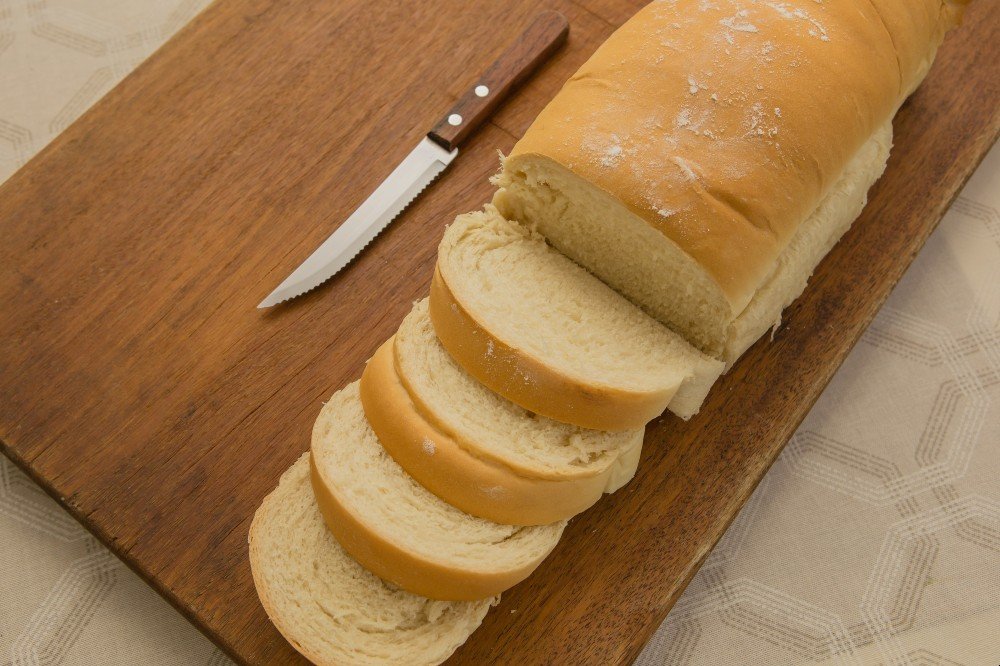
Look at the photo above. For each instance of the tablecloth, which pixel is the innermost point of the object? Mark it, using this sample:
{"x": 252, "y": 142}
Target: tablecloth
{"x": 874, "y": 539}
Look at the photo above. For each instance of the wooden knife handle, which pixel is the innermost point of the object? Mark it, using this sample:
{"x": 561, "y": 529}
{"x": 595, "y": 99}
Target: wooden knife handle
{"x": 542, "y": 38}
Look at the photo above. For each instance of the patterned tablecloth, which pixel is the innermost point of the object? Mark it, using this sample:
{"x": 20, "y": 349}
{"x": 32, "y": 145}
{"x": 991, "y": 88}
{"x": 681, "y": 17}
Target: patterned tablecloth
{"x": 875, "y": 538}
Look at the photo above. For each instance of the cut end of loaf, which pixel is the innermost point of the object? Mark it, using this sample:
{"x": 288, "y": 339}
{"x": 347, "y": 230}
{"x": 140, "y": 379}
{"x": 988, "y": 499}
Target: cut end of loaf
{"x": 623, "y": 250}
{"x": 630, "y": 255}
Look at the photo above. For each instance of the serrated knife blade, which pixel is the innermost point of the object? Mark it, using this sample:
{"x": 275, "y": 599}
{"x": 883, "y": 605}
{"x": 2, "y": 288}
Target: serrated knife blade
{"x": 407, "y": 180}
{"x": 432, "y": 155}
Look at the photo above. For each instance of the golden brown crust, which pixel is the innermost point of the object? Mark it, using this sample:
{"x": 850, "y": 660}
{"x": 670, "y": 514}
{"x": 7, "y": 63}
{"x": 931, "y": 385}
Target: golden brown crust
{"x": 917, "y": 28}
{"x": 403, "y": 568}
{"x": 722, "y": 127}
{"x": 528, "y": 382}
{"x": 455, "y": 471}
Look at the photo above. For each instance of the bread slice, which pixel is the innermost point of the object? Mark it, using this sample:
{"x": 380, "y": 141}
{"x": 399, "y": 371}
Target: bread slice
{"x": 547, "y": 335}
{"x": 478, "y": 451}
{"x": 328, "y": 606}
{"x": 400, "y": 531}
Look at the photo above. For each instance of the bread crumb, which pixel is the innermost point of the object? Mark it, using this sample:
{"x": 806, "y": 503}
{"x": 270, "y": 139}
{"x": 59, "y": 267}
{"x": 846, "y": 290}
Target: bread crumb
{"x": 738, "y": 22}
{"x": 605, "y": 151}
{"x": 611, "y": 155}
{"x": 685, "y": 120}
{"x": 429, "y": 447}
{"x": 688, "y": 171}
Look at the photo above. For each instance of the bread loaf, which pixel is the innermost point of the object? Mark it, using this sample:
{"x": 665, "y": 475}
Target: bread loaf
{"x": 331, "y": 609}
{"x": 401, "y": 532}
{"x": 701, "y": 163}
{"x": 476, "y": 450}
{"x": 680, "y": 161}
{"x": 547, "y": 335}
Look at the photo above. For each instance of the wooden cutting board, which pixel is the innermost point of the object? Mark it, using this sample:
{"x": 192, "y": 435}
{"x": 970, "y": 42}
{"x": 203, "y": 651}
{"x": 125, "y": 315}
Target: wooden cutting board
{"x": 140, "y": 386}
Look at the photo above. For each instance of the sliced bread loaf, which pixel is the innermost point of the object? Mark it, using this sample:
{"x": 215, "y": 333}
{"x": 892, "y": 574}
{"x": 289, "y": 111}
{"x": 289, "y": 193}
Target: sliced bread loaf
{"x": 478, "y": 451}
{"x": 399, "y": 530}
{"x": 682, "y": 158}
{"x": 328, "y": 606}
{"x": 544, "y": 333}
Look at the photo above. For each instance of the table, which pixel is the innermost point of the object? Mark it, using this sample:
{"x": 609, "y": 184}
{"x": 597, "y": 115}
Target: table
{"x": 874, "y": 539}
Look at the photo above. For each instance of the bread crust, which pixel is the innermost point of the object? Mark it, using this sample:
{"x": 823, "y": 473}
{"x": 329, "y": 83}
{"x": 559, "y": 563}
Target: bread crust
{"x": 461, "y": 474}
{"x": 529, "y": 382}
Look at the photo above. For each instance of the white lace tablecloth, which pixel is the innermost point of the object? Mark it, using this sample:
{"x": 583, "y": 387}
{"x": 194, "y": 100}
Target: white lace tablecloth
{"x": 875, "y": 538}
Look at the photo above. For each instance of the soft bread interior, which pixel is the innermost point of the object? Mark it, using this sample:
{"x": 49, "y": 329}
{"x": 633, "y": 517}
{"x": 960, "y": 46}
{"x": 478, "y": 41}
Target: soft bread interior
{"x": 402, "y": 532}
{"x": 532, "y": 299}
{"x": 598, "y": 232}
{"x": 601, "y": 234}
{"x": 330, "y": 608}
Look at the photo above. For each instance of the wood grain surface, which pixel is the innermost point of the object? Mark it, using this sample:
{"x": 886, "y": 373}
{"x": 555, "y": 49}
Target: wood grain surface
{"x": 141, "y": 387}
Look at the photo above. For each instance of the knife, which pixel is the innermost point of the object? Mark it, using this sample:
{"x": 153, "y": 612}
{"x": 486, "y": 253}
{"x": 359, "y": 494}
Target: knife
{"x": 435, "y": 151}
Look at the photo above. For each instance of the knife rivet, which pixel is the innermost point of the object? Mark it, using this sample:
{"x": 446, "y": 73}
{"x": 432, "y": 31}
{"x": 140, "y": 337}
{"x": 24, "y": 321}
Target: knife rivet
{"x": 482, "y": 91}
{"x": 455, "y": 120}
